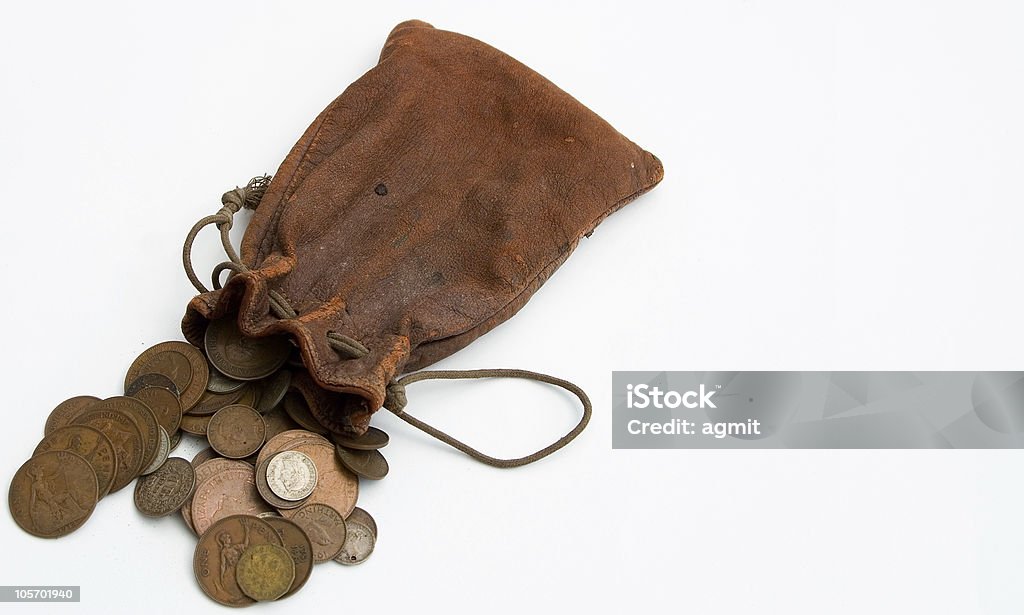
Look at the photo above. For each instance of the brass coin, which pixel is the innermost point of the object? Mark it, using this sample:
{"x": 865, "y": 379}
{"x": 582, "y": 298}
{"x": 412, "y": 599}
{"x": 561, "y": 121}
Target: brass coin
{"x": 195, "y": 425}
{"x": 164, "y": 404}
{"x": 265, "y": 572}
{"x": 163, "y": 451}
{"x": 66, "y": 411}
{"x": 89, "y": 444}
{"x": 53, "y": 493}
{"x": 268, "y": 495}
{"x": 219, "y": 550}
{"x": 151, "y": 380}
{"x": 210, "y": 403}
{"x": 367, "y": 464}
{"x": 278, "y": 422}
{"x": 236, "y": 432}
{"x": 336, "y": 486}
{"x": 325, "y": 528}
{"x": 143, "y": 417}
{"x": 297, "y": 408}
{"x": 124, "y": 434}
{"x": 241, "y": 357}
{"x": 166, "y": 490}
{"x": 359, "y": 543}
{"x": 229, "y": 492}
{"x": 295, "y": 540}
{"x": 372, "y": 440}
{"x": 358, "y": 515}
{"x": 273, "y": 390}
{"x": 183, "y": 363}
{"x": 203, "y": 471}
{"x": 219, "y": 383}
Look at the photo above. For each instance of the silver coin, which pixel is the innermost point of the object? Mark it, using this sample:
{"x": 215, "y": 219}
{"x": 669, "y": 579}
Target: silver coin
{"x": 162, "y": 451}
{"x": 291, "y": 475}
{"x": 359, "y": 543}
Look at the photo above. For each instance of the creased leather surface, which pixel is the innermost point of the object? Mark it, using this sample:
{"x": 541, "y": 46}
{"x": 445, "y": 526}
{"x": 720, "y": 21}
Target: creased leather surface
{"x": 422, "y": 208}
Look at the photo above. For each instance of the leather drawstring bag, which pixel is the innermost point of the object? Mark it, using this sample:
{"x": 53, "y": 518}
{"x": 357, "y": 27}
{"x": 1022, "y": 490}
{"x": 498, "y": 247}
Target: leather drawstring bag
{"x": 422, "y": 208}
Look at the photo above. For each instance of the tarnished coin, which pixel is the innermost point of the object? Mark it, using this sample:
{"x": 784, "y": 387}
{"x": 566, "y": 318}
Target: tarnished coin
{"x": 241, "y": 357}
{"x": 267, "y": 494}
{"x": 219, "y": 550}
{"x": 219, "y": 383}
{"x": 325, "y": 528}
{"x": 291, "y": 475}
{"x": 297, "y": 408}
{"x": 195, "y": 425}
{"x": 230, "y": 492}
{"x": 164, "y": 404}
{"x": 144, "y": 419}
{"x": 265, "y": 572}
{"x": 204, "y": 455}
{"x": 66, "y": 411}
{"x": 367, "y": 464}
{"x": 278, "y": 422}
{"x": 175, "y": 439}
{"x": 205, "y": 470}
{"x": 89, "y": 444}
{"x": 183, "y": 363}
{"x": 284, "y": 441}
{"x": 359, "y": 543}
{"x": 372, "y": 440}
{"x": 163, "y": 450}
{"x": 166, "y": 490}
{"x": 124, "y": 434}
{"x": 273, "y": 390}
{"x": 236, "y": 432}
{"x": 53, "y": 494}
{"x": 358, "y": 515}
{"x": 336, "y": 485}
{"x": 295, "y": 540}
{"x": 151, "y": 380}
{"x": 210, "y": 402}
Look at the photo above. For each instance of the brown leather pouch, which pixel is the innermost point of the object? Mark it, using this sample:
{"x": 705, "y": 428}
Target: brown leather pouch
{"x": 422, "y": 208}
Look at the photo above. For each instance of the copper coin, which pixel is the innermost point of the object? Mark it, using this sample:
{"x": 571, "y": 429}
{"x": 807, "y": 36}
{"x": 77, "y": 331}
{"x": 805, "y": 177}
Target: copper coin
{"x": 163, "y": 451}
{"x": 359, "y": 543}
{"x": 175, "y": 439}
{"x": 204, "y": 471}
{"x": 164, "y": 491}
{"x": 144, "y": 419}
{"x": 241, "y": 357}
{"x": 151, "y": 380}
{"x": 236, "y": 432}
{"x": 210, "y": 403}
{"x": 195, "y": 425}
{"x": 372, "y": 440}
{"x": 124, "y": 434}
{"x": 229, "y": 492}
{"x": 278, "y": 422}
{"x": 367, "y": 464}
{"x": 66, "y": 411}
{"x": 358, "y": 515}
{"x": 204, "y": 455}
{"x": 53, "y": 494}
{"x": 217, "y": 554}
{"x": 265, "y": 572}
{"x": 295, "y": 540}
{"x": 164, "y": 404}
{"x": 297, "y": 408}
{"x": 219, "y": 383}
{"x": 273, "y": 390}
{"x": 268, "y": 495}
{"x": 283, "y": 441}
{"x": 89, "y": 444}
{"x": 183, "y": 363}
{"x": 336, "y": 486}
{"x": 325, "y": 528}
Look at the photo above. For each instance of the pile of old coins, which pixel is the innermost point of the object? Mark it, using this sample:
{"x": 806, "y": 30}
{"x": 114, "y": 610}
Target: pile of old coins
{"x": 273, "y": 494}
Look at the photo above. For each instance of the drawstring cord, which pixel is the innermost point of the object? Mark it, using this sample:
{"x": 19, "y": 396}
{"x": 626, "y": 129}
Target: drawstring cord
{"x": 395, "y": 399}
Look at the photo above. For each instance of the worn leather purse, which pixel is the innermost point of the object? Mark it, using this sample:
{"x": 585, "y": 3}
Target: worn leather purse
{"x": 422, "y": 208}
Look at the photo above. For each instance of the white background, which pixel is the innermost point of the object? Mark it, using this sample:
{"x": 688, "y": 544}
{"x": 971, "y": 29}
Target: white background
{"x": 843, "y": 191}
